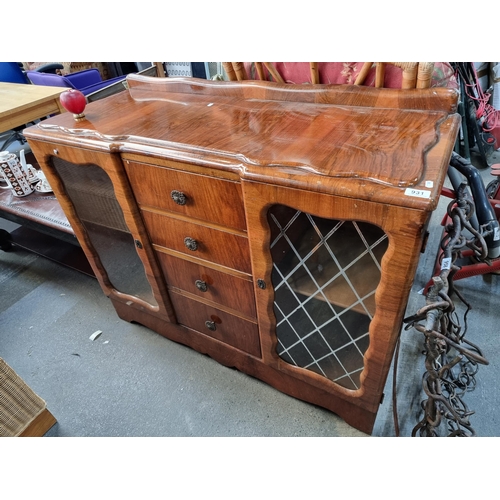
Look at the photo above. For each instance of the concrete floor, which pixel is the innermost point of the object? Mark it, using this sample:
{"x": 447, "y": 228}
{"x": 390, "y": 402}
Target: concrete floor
{"x": 132, "y": 382}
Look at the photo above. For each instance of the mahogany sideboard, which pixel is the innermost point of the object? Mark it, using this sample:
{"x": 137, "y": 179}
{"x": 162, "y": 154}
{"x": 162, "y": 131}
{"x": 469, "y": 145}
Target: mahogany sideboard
{"x": 274, "y": 227}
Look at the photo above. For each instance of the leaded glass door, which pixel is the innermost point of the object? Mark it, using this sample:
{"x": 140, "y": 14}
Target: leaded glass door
{"x": 325, "y": 274}
{"x": 332, "y": 277}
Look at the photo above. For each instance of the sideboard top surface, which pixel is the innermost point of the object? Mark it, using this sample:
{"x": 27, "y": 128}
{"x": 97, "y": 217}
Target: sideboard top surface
{"x": 369, "y": 149}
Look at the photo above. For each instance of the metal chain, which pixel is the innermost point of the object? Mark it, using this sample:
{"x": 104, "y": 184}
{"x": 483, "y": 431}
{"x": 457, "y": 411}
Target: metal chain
{"x": 451, "y": 361}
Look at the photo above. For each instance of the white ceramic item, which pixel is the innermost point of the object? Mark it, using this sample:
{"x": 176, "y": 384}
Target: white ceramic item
{"x": 14, "y": 175}
{"x": 43, "y": 186}
{"x": 31, "y": 173}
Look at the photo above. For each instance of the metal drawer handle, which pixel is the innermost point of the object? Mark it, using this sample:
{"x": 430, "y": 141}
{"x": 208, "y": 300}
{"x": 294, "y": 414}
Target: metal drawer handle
{"x": 201, "y": 285}
{"x": 191, "y": 244}
{"x": 179, "y": 197}
{"x": 211, "y": 325}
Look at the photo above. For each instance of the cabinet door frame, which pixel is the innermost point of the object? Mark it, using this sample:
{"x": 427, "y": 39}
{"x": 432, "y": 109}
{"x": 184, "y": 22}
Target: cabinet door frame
{"x": 405, "y": 229}
{"x": 111, "y": 163}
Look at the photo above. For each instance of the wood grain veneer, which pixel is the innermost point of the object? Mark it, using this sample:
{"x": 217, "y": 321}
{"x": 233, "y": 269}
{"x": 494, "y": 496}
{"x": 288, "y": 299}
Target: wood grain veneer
{"x": 226, "y": 289}
{"x": 221, "y": 247}
{"x": 292, "y": 142}
{"x": 228, "y": 328}
{"x": 204, "y": 196}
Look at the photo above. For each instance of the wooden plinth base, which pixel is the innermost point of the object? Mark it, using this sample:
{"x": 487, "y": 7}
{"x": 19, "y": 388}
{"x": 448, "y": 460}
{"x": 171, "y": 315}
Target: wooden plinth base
{"x": 352, "y": 414}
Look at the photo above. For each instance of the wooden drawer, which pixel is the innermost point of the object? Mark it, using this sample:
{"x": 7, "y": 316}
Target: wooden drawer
{"x": 227, "y": 249}
{"x": 207, "y": 198}
{"x": 231, "y": 330}
{"x": 207, "y": 283}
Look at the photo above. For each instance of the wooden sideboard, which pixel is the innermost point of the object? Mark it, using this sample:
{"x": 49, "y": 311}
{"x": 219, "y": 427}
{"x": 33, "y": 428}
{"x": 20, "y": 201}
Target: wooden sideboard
{"x": 276, "y": 228}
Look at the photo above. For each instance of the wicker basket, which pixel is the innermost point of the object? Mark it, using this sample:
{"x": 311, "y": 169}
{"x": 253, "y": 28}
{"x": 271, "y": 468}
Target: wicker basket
{"x": 22, "y": 412}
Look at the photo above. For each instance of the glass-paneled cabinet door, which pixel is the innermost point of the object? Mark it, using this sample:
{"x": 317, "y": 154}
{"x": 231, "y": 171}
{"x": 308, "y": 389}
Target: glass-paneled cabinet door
{"x": 91, "y": 192}
{"x": 108, "y": 229}
{"x": 332, "y": 278}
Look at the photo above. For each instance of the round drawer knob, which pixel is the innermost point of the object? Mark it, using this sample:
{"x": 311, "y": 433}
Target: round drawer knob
{"x": 191, "y": 244}
{"x": 179, "y": 197}
{"x": 201, "y": 285}
{"x": 211, "y": 325}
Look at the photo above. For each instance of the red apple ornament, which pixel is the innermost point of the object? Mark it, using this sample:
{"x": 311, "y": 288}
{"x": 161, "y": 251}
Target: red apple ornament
{"x": 74, "y": 101}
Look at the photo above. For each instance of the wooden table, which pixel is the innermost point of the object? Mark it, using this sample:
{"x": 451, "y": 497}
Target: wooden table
{"x": 21, "y": 103}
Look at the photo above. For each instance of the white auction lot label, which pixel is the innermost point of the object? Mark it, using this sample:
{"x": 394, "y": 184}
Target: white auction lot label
{"x": 419, "y": 193}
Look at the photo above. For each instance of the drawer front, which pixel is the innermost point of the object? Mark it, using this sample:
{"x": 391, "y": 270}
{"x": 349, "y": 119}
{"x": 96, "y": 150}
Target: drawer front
{"x": 226, "y": 249}
{"x": 225, "y": 289}
{"x": 207, "y": 198}
{"x": 217, "y": 324}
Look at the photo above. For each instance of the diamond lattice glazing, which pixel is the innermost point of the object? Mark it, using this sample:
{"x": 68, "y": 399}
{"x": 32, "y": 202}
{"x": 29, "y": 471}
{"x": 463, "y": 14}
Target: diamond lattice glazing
{"x": 325, "y": 273}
